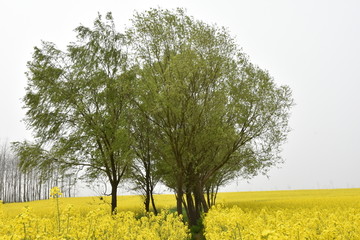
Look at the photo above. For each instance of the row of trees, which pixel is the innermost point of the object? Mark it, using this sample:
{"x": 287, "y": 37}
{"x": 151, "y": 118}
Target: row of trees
{"x": 171, "y": 100}
{"x": 19, "y": 184}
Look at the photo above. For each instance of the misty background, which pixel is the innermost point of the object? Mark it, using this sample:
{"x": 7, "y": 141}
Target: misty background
{"x": 312, "y": 46}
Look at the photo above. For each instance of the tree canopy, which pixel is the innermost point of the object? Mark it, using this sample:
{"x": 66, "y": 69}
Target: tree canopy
{"x": 77, "y": 102}
{"x": 172, "y": 93}
{"x": 211, "y": 108}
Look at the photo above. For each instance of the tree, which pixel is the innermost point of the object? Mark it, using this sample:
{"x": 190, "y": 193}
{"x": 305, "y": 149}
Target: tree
{"x": 174, "y": 93}
{"x": 144, "y": 172}
{"x": 40, "y": 173}
{"x": 210, "y": 107}
{"x": 77, "y": 103}
{"x": 24, "y": 183}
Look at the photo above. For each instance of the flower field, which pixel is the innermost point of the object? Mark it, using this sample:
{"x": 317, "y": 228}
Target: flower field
{"x": 311, "y": 214}
{"x": 301, "y": 223}
{"x": 96, "y": 224}
{"x": 307, "y": 214}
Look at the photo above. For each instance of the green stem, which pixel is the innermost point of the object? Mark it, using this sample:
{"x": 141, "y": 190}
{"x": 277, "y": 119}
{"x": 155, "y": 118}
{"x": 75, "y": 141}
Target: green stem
{"x": 58, "y": 212}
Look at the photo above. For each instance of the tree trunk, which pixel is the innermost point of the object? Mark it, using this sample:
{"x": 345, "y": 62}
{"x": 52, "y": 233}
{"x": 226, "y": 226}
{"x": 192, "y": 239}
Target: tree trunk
{"x": 147, "y": 200}
{"x": 193, "y": 212}
{"x": 114, "y": 197}
{"x": 179, "y": 198}
{"x": 152, "y": 199}
{"x": 204, "y": 203}
{"x": 208, "y": 196}
{"x": 153, "y": 203}
{"x": 214, "y": 194}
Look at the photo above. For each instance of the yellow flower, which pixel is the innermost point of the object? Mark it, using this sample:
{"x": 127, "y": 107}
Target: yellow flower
{"x": 55, "y": 192}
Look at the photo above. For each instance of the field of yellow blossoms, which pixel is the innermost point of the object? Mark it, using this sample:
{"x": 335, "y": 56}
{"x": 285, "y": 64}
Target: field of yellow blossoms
{"x": 310, "y": 214}
{"x": 306, "y": 214}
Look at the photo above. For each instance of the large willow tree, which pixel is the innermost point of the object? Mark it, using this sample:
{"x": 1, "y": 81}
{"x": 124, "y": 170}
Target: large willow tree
{"x": 211, "y": 109}
{"x": 77, "y": 101}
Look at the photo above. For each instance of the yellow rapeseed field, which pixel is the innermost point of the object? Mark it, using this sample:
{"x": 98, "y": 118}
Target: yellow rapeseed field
{"x": 87, "y": 218}
{"x": 83, "y": 205}
{"x": 310, "y": 214}
{"x": 306, "y": 214}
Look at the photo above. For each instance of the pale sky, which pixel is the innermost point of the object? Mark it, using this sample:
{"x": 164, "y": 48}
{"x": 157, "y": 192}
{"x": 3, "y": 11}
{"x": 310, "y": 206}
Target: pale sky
{"x": 312, "y": 46}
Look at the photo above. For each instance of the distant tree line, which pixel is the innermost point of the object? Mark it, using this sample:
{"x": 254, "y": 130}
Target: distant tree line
{"x": 22, "y": 184}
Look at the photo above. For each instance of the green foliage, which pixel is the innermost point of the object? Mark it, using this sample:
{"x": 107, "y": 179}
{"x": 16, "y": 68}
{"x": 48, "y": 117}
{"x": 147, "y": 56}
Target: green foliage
{"x": 172, "y": 92}
{"x": 77, "y": 103}
{"x": 211, "y": 109}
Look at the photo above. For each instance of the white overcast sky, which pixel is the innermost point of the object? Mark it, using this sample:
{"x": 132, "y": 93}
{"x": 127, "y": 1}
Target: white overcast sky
{"x": 311, "y": 45}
